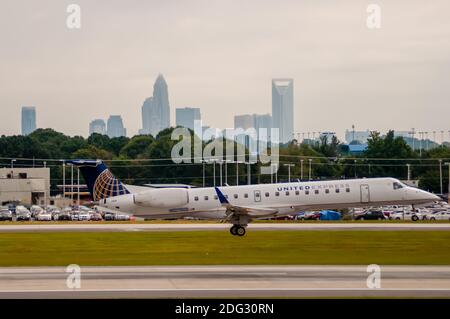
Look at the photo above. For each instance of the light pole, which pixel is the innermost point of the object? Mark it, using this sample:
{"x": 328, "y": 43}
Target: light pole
{"x": 440, "y": 175}
{"x": 408, "y": 166}
{"x": 78, "y": 187}
{"x": 448, "y": 190}
{"x": 289, "y": 170}
{"x": 355, "y": 168}
{"x": 203, "y": 164}
{"x": 310, "y": 166}
{"x": 64, "y": 177}
{"x": 301, "y": 170}
{"x": 71, "y": 183}
{"x": 220, "y": 167}
{"x": 412, "y": 134}
{"x": 12, "y": 162}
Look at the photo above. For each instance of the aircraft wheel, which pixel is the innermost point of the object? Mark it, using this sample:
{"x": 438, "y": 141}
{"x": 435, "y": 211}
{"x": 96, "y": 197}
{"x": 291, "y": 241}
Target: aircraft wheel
{"x": 240, "y": 231}
{"x": 415, "y": 218}
{"x": 233, "y": 230}
{"x": 432, "y": 218}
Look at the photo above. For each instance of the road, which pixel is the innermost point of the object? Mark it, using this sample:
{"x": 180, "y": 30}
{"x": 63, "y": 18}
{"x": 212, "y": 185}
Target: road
{"x": 86, "y": 227}
{"x": 225, "y": 281}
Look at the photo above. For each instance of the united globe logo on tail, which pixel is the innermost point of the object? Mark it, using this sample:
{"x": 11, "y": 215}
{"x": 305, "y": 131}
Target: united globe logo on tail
{"x": 107, "y": 185}
{"x": 100, "y": 181}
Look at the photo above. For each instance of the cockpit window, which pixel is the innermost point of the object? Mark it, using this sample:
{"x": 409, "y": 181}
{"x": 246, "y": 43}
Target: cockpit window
{"x": 397, "y": 185}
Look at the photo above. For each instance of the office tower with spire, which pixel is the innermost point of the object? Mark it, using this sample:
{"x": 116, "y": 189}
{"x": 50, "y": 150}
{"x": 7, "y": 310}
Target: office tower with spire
{"x": 156, "y": 109}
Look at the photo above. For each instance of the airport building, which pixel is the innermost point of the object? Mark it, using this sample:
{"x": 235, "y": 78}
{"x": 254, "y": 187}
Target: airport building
{"x": 186, "y": 117}
{"x": 283, "y": 108}
{"x": 28, "y": 120}
{"x": 25, "y": 185}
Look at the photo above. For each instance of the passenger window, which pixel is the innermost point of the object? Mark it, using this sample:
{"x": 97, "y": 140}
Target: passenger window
{"x": 306, "y": 192}
{"x": 347, "y": 190}
{"x": 287, "y": 193}
{"x": 215, "y": 197}
{"x": 337, "y": 190}
{"x": 297, "y": 193}
{"x": 235, "y": 195}
{"x": 327, "y": 191}
{"x": 245, "y": 195}
{"x": 196, "y": 198}
{"x": 316, "y": 191}
{"x": 277, "y": 193}
{"x": 206, "y": 197}
{"x": 226, "y": 196}
{"x": 267, "y": 194}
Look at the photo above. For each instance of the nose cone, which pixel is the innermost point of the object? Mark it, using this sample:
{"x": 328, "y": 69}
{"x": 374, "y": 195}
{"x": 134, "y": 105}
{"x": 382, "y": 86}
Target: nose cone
{"x": 420, "y": 196}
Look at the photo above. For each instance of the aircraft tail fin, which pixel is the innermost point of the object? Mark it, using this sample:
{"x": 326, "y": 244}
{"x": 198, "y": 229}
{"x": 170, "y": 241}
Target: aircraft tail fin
{"x": 99, "y": 179}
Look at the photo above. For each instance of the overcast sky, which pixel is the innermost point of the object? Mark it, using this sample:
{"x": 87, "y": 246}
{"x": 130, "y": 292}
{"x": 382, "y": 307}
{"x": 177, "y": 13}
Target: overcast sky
{"x": 220, "y": 56}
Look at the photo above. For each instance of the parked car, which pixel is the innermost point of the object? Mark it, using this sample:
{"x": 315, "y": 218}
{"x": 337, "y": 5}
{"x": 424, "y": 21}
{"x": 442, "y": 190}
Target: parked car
{"x": 36, "y": 210}
{"x": 64, "y": 216}
{"x": 5, "y": 215}
{"x": 84, "y": 216}
{"x": 74, "y": 216}
{"x": 23, "y": 216}
{"x": 312, "y": 216}
{"x": 44, "y": 216}
{"x": 20, "y": 209}
{"x": 122, "y": 217}
{"x": 371, "y": 215}
{"x": 108, "y": 216}
{"x": 442, "y": 215}
{"x": 409, "y": 215}
{"x": 96, "y": 217}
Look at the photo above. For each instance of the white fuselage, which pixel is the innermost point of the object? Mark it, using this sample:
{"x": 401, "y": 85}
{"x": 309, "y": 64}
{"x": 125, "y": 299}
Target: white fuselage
{"x": 286, "y": 198}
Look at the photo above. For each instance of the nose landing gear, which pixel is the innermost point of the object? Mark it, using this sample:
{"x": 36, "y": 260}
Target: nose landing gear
{"x": 237, "y": 230}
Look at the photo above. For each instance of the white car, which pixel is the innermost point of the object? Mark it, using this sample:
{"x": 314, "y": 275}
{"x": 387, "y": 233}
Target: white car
{"x": 122, "y": 217}
{"x": 44, "y": 216}
{"x": 443, "y": 215}
{"x": 84, "y": 216}
{"x": 408, "y": 215}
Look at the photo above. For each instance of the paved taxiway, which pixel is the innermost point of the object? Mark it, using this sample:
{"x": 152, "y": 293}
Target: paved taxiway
{"x": 224, "y": 281}
{"x": 206, "y": 226}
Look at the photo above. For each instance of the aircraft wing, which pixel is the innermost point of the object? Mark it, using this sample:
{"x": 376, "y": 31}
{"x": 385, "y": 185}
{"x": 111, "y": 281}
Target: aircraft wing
{"x": 251, "y": 211}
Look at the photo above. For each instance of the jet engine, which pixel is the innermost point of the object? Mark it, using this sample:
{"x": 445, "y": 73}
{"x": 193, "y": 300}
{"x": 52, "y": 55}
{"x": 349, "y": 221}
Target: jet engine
{"x": 164, "y": 198}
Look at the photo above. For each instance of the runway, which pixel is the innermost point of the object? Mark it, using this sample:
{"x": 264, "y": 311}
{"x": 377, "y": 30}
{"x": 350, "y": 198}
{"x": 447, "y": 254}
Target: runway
{"x": 225, "y": 281}
{"x": 98, "y": 227}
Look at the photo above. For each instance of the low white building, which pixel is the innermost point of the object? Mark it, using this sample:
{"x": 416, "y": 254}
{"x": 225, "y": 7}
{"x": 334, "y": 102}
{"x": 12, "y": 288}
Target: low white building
{"x": 25, "y": 185}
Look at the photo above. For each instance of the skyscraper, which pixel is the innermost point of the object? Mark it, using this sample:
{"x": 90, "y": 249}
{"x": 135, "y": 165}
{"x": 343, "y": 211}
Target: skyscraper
{"x": 283, "y": 108}
{"x": 115, "y": 126}
{"x": 156, "y": 109}
{"x": 243, "y": 121}
{"x": 28, "y": 119}
{"x": 97, "y": 126}
{"x": 185, "y": 117}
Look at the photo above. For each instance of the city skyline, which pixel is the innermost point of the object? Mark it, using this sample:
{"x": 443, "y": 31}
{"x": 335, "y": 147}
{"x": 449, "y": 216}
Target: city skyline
{"x": 344, "y": 73}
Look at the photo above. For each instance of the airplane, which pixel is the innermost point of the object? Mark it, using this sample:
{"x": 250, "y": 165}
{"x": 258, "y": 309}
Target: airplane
{"x": 239, "y": 205}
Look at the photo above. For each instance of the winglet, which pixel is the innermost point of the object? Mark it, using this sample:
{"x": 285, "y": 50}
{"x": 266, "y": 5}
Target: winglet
{"x": 222, "y": 198}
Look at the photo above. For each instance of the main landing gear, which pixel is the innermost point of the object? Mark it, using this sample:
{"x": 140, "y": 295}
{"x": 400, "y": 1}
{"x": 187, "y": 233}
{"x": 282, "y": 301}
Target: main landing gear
{"x": 237, "y": 230}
